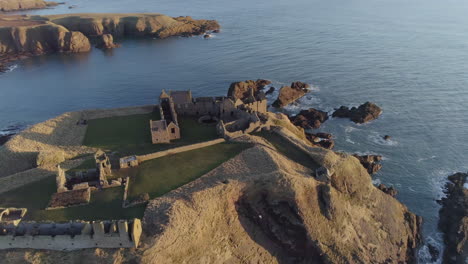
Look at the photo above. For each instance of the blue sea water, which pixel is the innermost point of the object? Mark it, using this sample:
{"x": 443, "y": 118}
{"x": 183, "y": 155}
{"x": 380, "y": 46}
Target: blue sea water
{"x": 410, "y": 57}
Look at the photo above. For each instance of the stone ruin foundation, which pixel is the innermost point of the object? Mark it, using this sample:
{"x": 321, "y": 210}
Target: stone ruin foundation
{"x": 72, "y": 235}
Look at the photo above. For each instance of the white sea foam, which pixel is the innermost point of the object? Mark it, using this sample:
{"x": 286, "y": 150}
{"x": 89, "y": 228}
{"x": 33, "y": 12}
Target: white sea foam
{"x": 376, "y": 181}
{"x": 424, "y": 159}
{"x": 378, "y": 139}
{"x": 12, "y": 68}
{"x": 424, "y": 255}
{"x": 349, "y": 140}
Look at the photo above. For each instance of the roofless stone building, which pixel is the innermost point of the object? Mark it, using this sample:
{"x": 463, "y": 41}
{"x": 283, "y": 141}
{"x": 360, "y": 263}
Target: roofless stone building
{"x": 223, "y": 108}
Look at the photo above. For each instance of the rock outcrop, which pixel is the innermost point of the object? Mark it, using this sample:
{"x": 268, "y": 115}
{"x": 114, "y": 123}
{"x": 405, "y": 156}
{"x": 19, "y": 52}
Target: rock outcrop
{"x": 363, "y": 114}
{"x": 310, "y": 118}
{"x": 15, "y": 5}
{"x": 289, "y": 94}
{"x": 370, "y": 162}
{"x": 243, "y": 90}
{"x": 388, "y": 190}
{"x": 323, "y": 140}
{"x": 106, "y": 41}
{"x": 454, "y": 219}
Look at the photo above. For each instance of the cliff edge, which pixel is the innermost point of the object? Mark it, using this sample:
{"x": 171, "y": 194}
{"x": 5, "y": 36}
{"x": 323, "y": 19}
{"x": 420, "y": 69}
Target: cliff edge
{"x": 23, "y": 36}
{"x": 454, "y": 219}
{"x": 15, "y": 5}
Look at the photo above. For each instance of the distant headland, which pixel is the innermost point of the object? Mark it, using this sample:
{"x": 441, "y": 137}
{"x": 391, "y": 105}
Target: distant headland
{"x": 25, "y": 36}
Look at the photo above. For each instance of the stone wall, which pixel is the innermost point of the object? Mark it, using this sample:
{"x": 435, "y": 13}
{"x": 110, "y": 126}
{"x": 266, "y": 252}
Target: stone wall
{"x": 72, "y": 236}
{"x": 179, "y": 150}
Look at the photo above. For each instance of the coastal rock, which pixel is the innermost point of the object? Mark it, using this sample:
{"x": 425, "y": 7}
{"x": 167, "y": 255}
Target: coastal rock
{"x": 388, "y": 190}
{"x": 139, "y": 25}
{"x": 370, "y": 162}
{"x": 363, "y": 114}
{"x": 433, "y": 251}
{"x": 106, "y": 41}
{"x": 454, "y": 219}
{"x": 289, "y": 94}
{"x": 323, "y": 140}
{"x": 5, "y": 138}
{"x": 243, "y": 90}
{"x": 310, "y": 119}
{"x": 15, "y": 5}
{"x": 40, "y": 39}
{"x": 34, "y": 35}
{"x": 270, "y": 90}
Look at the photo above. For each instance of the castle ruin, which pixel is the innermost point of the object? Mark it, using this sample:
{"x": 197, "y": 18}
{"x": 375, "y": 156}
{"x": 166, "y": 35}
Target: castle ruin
{"x": 233, "y": 114}
{"x": 73, "y": 190}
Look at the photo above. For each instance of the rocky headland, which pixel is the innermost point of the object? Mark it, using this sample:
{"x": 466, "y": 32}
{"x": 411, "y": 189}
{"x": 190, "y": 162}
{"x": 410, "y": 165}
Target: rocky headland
{"x": 263, "y": 207}
{"x": 362, "y": 114}
{"x": 16, "y": 5}
{"x": 24, "y": 36}
{"x": 454, "y": 219}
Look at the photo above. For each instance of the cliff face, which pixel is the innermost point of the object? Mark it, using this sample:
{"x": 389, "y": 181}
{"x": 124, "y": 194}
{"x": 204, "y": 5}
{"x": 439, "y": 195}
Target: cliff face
{"x": 34, "y": 35}
{"x": 121, "y": 25}
{"x": 14, "y": 5}
{"x": 454, "y": 219}
{"x": 40, "y": 39}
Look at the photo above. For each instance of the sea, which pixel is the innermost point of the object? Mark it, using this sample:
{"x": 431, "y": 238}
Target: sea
{"x": 409, "y": 57}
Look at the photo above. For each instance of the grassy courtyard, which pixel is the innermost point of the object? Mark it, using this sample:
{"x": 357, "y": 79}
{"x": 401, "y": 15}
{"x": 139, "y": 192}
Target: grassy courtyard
{"x": 131, "y": 134}
{"x": 289, "y": 150}
{"x": 159, "y": 176}
{"x": 106, "y": 204}
{"x": 155, "y": 177}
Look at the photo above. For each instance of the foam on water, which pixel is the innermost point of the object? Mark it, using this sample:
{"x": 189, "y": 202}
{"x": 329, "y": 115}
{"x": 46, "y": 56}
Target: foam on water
{"x": 378, "y": 139}
{"x": 12, "y": 68}
{"x": 425, "y": 159}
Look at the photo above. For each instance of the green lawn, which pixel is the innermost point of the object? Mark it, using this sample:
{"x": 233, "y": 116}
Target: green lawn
{"x": 289, "y": 150}
{"x": 159, "y": 176}
{"x": 131, "y": 134}
{"x": 106, "y": 204}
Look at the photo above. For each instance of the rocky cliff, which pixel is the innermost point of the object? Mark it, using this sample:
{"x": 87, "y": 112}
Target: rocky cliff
{"x": 33, "y": 35}
{"x": 14, "y": 5}
{"x": 454, "y": 219}
{"x": 40, "y": 39}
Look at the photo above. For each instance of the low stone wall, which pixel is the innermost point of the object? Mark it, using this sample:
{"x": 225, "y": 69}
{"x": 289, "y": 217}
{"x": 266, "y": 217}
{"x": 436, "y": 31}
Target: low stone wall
{"x": 71, "y": 236}
{"x": 159, "y": 154}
